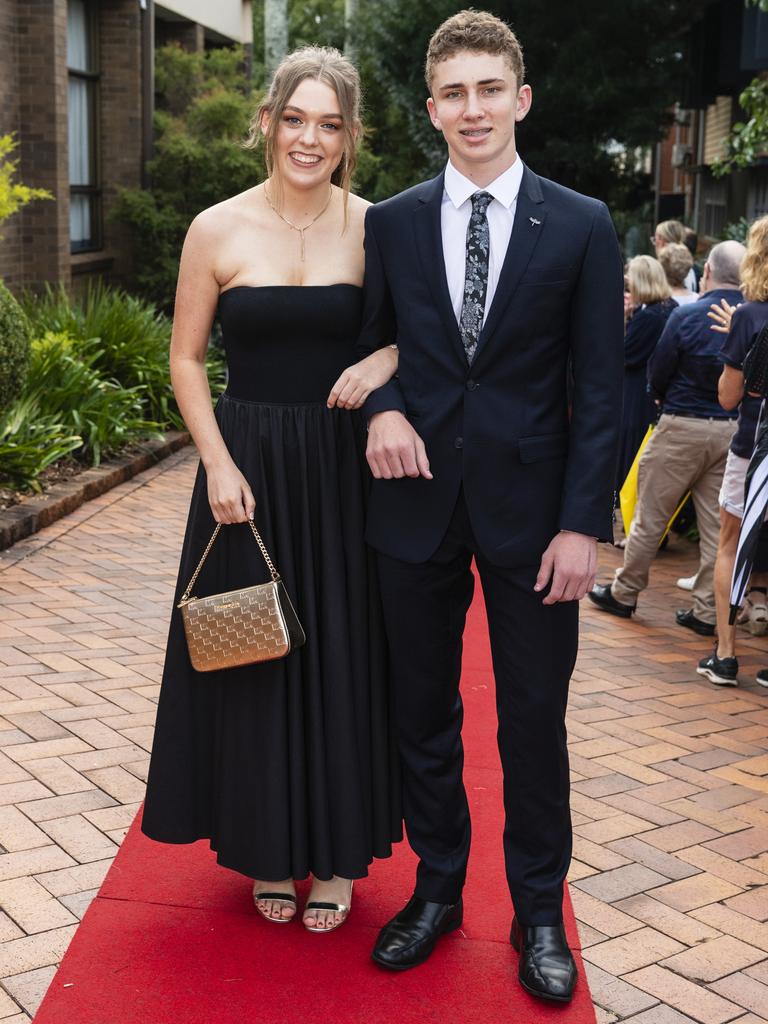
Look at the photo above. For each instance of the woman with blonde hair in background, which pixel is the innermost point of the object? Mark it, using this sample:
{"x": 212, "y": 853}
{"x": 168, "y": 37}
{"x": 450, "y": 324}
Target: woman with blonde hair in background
{"x": 722, "y": 667}
{"x": 650, "y": 303}
{"x": 285, "y": 766}
{"x": 673, "y": 232}
{"x": 677, "y": 264}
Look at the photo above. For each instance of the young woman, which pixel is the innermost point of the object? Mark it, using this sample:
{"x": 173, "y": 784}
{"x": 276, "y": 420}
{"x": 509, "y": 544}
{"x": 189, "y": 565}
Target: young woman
{"x": 285, "y": 766}
{"x": 650, "y": 303}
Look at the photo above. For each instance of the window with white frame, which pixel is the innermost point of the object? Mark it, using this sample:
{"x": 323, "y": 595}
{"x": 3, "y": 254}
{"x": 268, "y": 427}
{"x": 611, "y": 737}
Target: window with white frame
{"x": 82, "y": 64}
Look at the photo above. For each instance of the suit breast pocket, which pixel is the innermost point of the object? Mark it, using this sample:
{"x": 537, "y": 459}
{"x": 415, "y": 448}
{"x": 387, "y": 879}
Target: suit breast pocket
{"x": 547, "y": 275}
{"x": 561, "y": 282}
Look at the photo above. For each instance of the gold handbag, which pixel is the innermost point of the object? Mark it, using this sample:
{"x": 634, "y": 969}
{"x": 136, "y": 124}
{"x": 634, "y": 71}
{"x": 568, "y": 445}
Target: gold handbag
{"x": 242, "y": 626}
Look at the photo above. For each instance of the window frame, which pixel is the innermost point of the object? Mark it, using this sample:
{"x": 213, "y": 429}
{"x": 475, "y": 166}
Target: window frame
{"x": 92, "y": 78}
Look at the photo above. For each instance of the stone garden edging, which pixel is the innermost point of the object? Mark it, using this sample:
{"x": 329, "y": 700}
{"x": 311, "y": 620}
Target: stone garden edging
{"x": 34, "y": 513}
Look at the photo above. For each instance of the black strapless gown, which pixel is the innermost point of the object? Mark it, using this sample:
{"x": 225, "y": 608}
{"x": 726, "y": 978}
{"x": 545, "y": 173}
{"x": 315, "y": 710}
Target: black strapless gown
{"x": 288, "y": 767}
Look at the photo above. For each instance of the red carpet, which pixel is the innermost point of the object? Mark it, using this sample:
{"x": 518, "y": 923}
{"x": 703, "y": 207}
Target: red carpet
{"x": 173, "y": 939}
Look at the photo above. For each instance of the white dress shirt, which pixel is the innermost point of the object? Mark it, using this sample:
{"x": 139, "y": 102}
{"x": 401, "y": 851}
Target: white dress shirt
{"x": 454, "y": 219}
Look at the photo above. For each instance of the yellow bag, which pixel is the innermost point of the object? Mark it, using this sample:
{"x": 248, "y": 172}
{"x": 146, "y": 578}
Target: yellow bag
{"x": 628, "y": 492}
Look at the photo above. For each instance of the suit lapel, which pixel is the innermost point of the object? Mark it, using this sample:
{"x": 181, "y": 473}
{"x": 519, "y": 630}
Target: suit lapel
{"x": 429, "y": 244}
{"x": 530, "y": 216}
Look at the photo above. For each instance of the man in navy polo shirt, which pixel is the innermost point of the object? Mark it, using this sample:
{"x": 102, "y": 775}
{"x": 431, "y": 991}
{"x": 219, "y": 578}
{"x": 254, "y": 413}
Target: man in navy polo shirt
{"x": 722, "y": 667}
{"x": 688, "y": 449}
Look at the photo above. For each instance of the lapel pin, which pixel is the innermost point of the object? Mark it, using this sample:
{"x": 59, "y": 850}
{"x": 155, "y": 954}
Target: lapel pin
{"x": 534, "y": 221}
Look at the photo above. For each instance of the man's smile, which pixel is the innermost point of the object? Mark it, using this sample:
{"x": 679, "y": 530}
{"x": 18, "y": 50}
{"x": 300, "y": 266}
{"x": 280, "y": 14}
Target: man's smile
{"x": 474, "y": 133}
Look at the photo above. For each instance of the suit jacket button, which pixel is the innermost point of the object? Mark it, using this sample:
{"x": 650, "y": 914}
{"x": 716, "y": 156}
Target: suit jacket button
{"x": 472, "y": 385}
{"x": 459, "y": 442}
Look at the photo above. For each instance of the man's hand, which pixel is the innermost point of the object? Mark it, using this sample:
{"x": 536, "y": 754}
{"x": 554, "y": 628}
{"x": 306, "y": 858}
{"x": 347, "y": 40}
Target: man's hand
{"x": 570, "y": 562}
{"x": 395, "y": 449}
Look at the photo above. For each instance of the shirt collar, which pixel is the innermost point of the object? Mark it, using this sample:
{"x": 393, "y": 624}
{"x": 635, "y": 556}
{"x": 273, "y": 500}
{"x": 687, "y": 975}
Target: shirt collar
{"x": 504, "y": 188}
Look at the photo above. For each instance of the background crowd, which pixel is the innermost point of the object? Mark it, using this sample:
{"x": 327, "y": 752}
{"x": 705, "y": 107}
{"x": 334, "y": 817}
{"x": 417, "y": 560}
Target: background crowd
{"x": 689, "y": 429}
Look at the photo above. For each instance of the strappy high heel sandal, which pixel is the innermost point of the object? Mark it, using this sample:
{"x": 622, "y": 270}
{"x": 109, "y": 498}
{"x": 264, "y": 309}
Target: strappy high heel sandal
{"x": 284, "y": 899}
{"x": 336, "y": 908}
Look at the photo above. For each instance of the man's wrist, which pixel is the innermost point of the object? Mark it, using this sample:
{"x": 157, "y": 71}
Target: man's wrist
{"x": 382, "y": 412}
{"x": 577, "y": 534}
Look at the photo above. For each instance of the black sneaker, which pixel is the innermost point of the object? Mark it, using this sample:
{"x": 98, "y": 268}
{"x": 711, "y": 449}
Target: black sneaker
{"x": 720, "y": 671}
{"x": 762, "y": 677}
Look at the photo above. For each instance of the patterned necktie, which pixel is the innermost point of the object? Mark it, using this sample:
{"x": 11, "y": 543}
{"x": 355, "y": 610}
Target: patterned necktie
{"x": 475, "y": 274}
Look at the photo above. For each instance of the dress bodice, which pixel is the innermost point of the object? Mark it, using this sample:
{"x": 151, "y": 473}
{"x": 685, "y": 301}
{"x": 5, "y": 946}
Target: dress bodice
{"x": 288, "y": 344}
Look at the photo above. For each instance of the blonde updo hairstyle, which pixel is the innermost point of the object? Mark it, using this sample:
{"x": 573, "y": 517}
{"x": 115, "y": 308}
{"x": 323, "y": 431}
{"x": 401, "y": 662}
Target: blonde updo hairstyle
{"x": 647, "y": 280}
{"x": 671, "y": 231}
{"x": 754, "y": 269}
{"x": 324, "y": 64}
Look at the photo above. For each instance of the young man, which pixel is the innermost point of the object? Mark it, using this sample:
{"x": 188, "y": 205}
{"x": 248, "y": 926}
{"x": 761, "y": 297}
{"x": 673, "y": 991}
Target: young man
{"x": 495, "y": 284}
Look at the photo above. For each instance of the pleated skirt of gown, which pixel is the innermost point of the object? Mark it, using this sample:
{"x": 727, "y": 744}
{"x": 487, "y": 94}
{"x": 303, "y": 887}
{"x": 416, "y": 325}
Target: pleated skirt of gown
{"x": 288, "y": 767}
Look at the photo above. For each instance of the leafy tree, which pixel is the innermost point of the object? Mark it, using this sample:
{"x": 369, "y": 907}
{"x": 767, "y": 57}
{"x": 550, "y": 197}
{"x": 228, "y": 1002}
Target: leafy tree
{"x": 603, "y": 76}
{"x": 204, "y": 106}
{"x": 14, "y": 195}
{"x": 15, "y": 338}
{"x": 316, "y": 23}
{"x": 748, "y": 140}
{"x": 275, "y": 33}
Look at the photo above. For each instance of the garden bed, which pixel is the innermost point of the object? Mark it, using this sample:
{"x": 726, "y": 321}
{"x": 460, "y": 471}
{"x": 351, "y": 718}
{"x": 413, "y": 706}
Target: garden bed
{"x": 90, "y": 403}
{"x": 32, "y": 513}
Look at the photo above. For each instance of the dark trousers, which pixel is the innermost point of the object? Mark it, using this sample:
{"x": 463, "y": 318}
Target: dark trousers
{"x": 534, "y": 650}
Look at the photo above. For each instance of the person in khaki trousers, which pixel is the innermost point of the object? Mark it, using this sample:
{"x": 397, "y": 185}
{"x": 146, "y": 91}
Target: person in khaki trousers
{"x": 688, "y": 449}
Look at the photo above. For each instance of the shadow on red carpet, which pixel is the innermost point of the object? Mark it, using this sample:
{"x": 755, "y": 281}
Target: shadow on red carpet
{"x": 172, "y": 938}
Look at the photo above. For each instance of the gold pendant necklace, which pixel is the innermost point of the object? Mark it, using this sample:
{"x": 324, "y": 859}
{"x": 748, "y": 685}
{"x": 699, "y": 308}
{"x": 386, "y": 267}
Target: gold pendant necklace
{"x": 295, "y": 227}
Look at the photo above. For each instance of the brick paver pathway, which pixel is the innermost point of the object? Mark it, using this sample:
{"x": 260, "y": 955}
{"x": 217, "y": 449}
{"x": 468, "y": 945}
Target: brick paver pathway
{"x": 670, "y": 774}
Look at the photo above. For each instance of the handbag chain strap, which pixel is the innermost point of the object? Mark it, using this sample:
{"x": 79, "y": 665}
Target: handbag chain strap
{"x": 272, "y": 570}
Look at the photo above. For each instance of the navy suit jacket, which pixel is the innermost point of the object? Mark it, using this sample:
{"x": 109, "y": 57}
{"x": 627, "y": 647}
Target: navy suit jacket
{"x": 533, "y": 454}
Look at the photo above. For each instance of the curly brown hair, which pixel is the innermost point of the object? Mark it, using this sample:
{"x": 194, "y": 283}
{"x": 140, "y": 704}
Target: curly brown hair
{"x": 754, "y": 269}
{"x": 677, "y": 261}
{"x": 478, "y": 32}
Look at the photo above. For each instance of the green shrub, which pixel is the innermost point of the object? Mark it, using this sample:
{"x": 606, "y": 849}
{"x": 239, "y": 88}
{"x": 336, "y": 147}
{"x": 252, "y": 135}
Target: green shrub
{"x": 65, "y": 385}
{"x": 14, "y": 347}
{"x": 737, "y": 230}
{"x": 205, "y": 105}
{"x": 30, "y": 442}
{"x": 98, "y": 378}
{"x": 121, "y": 337}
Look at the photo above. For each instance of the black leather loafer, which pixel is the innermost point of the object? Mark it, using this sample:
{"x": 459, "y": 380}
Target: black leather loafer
{"x": 685, "y": 617}
{"x": 601, "y": 595}
{"x": 409, "y": 938}
{"x": 547, "y": 969}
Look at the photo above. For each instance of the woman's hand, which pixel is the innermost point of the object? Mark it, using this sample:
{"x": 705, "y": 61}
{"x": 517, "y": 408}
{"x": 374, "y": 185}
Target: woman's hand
{"x": 722, "y": 314}
{"x": 229, "y": 495}
{"x": 358, "y": 381}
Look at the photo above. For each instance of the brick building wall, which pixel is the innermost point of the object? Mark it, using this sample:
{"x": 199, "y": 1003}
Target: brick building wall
{"x": 35, "y": 243}
{"x": 120, "y": 131}
{"x": 36, "y": 247}
{"x": 34, "y": 88}
{"x": 42, "y": 90}
{"x": 9, "y": 122}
